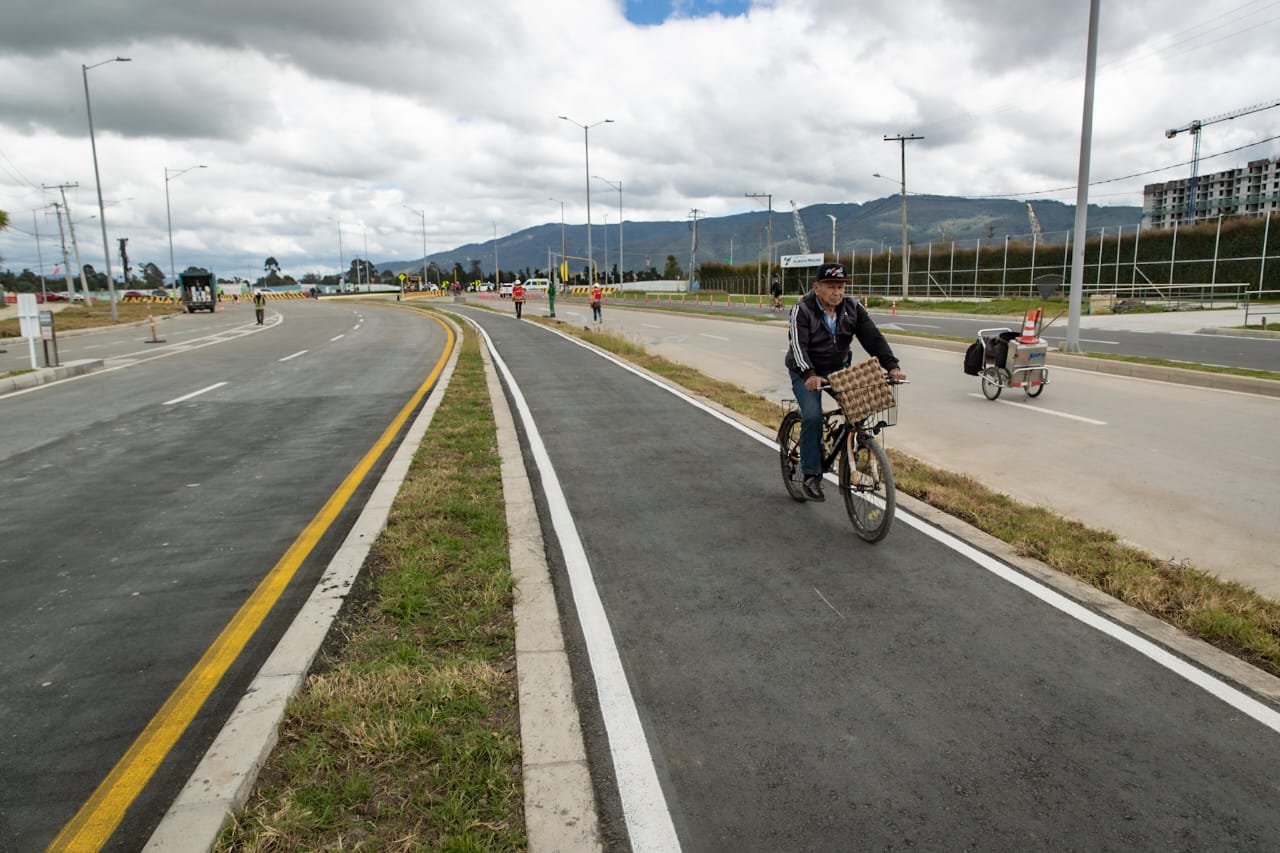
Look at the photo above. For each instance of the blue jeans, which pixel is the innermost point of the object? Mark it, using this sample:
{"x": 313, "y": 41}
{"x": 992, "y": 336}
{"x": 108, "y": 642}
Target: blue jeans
{"x": 810, "y": 405}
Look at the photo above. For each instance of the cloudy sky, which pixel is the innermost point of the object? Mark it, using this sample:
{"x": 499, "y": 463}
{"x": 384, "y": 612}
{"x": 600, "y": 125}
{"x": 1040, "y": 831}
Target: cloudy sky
{"x": 320, "y": 121}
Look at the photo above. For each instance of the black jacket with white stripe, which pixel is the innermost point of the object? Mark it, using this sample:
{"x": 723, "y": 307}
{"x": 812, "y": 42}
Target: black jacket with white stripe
{"x": 813, "y": 350}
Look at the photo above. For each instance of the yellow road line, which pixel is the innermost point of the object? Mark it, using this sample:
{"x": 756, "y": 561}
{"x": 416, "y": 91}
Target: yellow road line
{"x": 98, "y": 818}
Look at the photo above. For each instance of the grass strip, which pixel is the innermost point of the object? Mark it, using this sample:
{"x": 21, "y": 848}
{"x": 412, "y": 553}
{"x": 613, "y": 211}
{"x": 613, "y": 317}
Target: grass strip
{"x": 406, "y": 735}
{"x": 1226, "y": 614}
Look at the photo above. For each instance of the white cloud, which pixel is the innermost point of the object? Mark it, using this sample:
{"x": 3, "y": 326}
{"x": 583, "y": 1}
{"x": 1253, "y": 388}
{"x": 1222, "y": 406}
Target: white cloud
{"x": 308, "y": 115}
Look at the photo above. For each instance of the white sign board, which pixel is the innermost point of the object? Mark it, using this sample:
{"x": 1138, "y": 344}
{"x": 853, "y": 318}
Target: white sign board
{"x": 28, "y": 316}
{"x": 810, "y": 260}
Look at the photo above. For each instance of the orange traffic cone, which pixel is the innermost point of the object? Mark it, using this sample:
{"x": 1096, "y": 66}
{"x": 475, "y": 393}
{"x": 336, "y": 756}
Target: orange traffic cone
{"x": 1029, "y": 325}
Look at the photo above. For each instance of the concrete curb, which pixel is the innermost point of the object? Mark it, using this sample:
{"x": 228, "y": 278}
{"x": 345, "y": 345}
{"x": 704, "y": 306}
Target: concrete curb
{"x": 45, "y": 375}
{"x": 222, "y": 781}
{"x": 559, "y": 801}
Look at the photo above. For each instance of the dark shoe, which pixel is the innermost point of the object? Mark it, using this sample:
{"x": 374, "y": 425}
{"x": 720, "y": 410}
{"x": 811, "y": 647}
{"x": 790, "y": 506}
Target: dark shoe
{"x": 813, "y": 489}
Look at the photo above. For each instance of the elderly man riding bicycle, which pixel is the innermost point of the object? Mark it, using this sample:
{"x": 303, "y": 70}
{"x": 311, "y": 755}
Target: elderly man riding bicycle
{"x": 822, "y": 328}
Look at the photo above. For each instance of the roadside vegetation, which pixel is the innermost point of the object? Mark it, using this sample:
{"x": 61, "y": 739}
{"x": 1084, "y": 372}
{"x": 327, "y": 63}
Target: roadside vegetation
{"x": 76, "y": 316}
{"x": 406, "y": 735}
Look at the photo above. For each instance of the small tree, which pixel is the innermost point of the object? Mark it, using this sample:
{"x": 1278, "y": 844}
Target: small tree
{"x": 672, "y": 271}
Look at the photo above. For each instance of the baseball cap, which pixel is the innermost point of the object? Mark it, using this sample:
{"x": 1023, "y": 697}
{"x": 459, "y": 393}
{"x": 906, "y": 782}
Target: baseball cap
{"x": 832, "y": 272}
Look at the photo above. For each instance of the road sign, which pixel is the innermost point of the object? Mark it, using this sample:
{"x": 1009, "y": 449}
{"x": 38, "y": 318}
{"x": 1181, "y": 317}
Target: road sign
{"x": 814, "y": 259}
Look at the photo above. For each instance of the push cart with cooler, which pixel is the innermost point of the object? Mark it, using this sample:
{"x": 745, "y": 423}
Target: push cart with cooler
{"x": 1009, "y": 360}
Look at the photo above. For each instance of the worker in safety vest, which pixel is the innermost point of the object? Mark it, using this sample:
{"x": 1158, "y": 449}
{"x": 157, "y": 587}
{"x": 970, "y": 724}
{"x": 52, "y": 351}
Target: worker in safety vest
{"x": 517, "y": 296}
{"x": 259, "y": 305}
{"x": 597, "y": 295}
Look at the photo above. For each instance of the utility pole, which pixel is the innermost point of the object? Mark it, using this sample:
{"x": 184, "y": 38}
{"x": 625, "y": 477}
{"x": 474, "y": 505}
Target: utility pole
{"x": 75, "y": 247}
{"x": 44, "y": 291}
{"x": 902, "y": 142}
{"x": 693, "y": 248}
{"x": 769, "y": 265}
{"x": 124, "y": 259}
{"x": 66, "y": 262}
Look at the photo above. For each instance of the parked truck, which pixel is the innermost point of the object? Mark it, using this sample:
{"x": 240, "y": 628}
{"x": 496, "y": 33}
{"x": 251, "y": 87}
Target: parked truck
{"x": 199, "y": 291}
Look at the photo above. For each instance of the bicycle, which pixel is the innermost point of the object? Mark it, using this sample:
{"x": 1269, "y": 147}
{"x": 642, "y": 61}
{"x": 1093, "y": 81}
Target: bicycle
{"x": 865, "y": 475}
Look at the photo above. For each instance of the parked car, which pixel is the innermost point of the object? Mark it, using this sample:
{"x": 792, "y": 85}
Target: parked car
{"x": 504, "y": 291}
{"x": 54, "y": 296}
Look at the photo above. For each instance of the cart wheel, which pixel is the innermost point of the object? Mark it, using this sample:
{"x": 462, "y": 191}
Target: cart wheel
{"x": 1033, "y": 390}
{"x": 991, "y": 384}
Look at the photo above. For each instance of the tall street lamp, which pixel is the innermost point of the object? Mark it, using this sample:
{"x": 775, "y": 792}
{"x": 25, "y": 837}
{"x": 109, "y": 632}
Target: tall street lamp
{"x": 834, "y": 253}
{"x": 586, "y": 143}
{"x": 622, "y": 267}
{"x": 902, "y": 141}
{"x": 769, "y": 267}
{"x": 177, "y": 173}
{"x": 563, "y": 248}
{"x": 497, "y": 283}
{"x": 423, "y": 214}
{"x": 102, "y": 216}
{"x": 342, "y": 261}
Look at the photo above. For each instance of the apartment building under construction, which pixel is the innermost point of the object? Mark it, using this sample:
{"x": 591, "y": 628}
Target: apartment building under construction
{"x": 1251, "y": 191}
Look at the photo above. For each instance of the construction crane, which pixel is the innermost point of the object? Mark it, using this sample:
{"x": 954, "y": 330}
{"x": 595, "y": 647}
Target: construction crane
{"x": 800, "y": 235}
{"x": 1035, "y": 224}
{"x": 1194, "y": 129}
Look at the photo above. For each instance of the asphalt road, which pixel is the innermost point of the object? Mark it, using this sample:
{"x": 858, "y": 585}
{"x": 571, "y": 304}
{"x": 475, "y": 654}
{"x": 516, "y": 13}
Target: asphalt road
{"x": 144, "y": 503}
{"x": 1173, "y": 336}
{"x": 797, "y": 689}
{"x": 1183, "y": 472}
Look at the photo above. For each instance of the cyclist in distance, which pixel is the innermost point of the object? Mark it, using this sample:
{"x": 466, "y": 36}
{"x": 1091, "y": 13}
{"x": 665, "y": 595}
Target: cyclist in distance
{"x": 820, "y": 334}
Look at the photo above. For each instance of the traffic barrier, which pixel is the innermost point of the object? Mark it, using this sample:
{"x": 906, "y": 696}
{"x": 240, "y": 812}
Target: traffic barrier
{"x": 1029, "y": 325}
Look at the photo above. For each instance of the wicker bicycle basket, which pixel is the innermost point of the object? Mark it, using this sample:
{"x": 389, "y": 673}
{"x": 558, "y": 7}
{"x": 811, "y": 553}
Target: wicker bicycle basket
{"x": 861, "y": 389}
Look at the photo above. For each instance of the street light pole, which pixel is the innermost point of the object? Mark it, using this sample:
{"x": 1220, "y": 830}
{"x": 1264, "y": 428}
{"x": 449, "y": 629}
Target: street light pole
{"x": 835, "y": 255}
{"x": 902, "y": 142}
{"x": 423, "y": 214}
{"x": 586, "y": 144}
{"x": 622, "y": 267}
{"x": 769, "y": 265}
{"x": 496, "y": 277}
{"x": 102, "y": 216}
{"x": 173, "y": 273}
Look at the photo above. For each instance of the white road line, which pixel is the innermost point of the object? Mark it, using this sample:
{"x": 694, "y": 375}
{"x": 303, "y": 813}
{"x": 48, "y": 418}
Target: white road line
{"x": 650, "y": 326}
{"x": 1082, "y": 340}
{"x": 1043, "y": 411}
{"x": 1211, "y": 684}
{"x": 295, "y": 355}
{"x": 717, "y": 337}
{"x": 828, "y": 603}
{"x": 193, "y": 394}
{"x": 648, "y": 819}
{"x": 336, "y": 338}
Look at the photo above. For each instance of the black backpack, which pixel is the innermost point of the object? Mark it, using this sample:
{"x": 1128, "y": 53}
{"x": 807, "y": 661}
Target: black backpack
{"x": 973, "y": 358}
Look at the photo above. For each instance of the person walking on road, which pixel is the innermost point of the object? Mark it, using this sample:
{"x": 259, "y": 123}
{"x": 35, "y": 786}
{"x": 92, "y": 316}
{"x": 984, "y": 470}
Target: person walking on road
{"x": 597, "y": 296}
{"x": 517, "y": 296}
{"x": 775, "y": 290}
{"x": 820, "y": 335}
{"x": 259, "y": 305}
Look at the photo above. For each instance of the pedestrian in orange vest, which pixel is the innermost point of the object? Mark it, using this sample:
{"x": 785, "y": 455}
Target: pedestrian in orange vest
{"x": 517, "y": 296}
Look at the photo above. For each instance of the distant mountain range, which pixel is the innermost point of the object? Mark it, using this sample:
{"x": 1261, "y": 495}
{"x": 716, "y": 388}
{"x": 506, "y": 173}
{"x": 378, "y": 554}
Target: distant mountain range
{"x": 744, "y": 237}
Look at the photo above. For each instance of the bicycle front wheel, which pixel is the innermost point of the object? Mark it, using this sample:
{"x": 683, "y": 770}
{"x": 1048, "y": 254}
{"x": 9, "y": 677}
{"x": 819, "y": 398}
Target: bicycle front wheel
{"x": 789, "y": 455}
{"x": 866, "y": 481}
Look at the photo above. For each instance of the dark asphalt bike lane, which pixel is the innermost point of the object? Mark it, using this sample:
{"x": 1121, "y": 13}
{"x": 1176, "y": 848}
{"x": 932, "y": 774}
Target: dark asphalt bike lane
{"x": 801, "y": 690}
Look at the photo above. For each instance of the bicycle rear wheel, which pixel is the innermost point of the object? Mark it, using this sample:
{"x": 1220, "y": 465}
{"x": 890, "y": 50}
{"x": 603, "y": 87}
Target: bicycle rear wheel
{"x": 789, "y": 455}
{"x": 866, "y": 481}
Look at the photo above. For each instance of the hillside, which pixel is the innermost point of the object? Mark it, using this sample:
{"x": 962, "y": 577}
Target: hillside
{"x": 859, "y": 227}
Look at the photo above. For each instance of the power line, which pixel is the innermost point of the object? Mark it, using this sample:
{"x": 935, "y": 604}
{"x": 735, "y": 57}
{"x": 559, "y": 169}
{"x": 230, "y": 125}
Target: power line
{"x": 1128, "y": 177}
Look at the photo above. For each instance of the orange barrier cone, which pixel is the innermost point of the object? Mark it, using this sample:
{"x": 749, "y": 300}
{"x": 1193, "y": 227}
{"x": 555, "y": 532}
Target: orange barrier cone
{"x": 1029, "y": 325}
{"x": 895, "y": 308}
